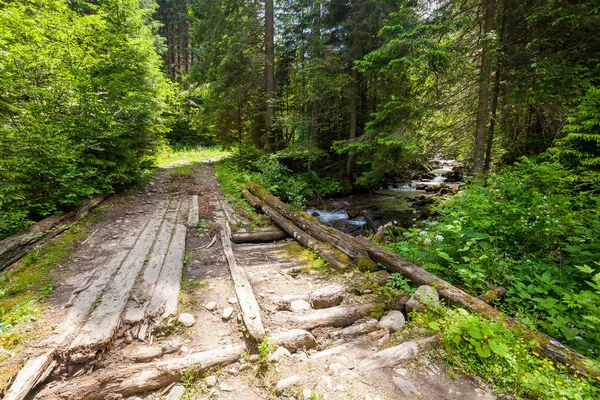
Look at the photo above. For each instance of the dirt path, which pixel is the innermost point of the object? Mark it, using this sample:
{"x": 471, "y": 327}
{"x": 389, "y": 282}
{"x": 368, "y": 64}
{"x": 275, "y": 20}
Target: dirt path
{"x": 149, "y": 259}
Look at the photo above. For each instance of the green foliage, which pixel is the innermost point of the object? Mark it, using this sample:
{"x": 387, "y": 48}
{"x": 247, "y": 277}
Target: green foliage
{"x": 80, "y": 106}
{"x": 532, "y": 230}
{"x": 581, "y": 147}
{"x": 397, "y": 281}
{"x": 504, "y": 357}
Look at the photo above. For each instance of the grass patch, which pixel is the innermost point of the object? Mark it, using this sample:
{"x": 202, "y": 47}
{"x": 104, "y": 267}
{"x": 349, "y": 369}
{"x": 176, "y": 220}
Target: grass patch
{"x": 182, "y": 171}
{"x": 189, "y": 155}
{"x": 23, "y": 291}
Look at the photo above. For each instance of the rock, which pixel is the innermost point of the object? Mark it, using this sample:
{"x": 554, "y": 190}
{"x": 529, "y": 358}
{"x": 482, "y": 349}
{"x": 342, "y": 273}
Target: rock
{"x": 328, "y": 296}
{"x": 315, "y": 214}
{"x": 280, "y": 352}
{"x": 306, "y": 394}
{"x": 404, "y": 386}
{"x": 233, "y": 300}
{"x": 400, "y": 371}
{"x": 325, "y": 383}
{"x": 425, "y": 296}
{"x": 233, "y": 371}
{"x": 227, "y": 313}
{"x": 211, "y": 381}
{"x": 340, "y": 388}
{"x": 211, "y": 305}
{"x": 284, "y": 384}
{"x": 295, "y": 339}
{"x": 299, "y": 305}
{"x": 225, "y": 387}
{"x": 186, "y": 319}
{"x": 253, "y": 358}
{"x": 176, "y": 393}
{"x": 393, "y": 320}
{"x": 337, "y": 368}
{"x": 184, "y": 349}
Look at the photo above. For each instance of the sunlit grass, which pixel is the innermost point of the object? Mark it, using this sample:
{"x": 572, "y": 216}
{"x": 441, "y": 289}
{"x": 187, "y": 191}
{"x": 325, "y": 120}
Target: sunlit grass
{"x": 178, "y": 155}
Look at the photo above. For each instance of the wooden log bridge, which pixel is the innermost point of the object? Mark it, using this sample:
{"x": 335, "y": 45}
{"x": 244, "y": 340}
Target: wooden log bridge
{"x": 341, "y": 250}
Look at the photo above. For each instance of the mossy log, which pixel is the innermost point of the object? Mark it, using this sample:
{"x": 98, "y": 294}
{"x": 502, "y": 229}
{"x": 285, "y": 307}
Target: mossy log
{"x": 549, "y": 347}
{"x": 332, "y": 256}
{"x": 266, "y": 234}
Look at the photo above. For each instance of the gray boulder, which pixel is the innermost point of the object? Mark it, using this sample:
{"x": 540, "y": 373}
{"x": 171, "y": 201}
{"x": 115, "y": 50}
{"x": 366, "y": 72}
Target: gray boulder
{"x": 425, "y": 296}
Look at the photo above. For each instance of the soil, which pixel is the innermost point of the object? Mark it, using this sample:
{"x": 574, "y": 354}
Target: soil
{"x": 274, "y": 270}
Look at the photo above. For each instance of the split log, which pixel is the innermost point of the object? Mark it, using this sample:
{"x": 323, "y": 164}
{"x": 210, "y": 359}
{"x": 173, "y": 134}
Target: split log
{"x": 34, "y": 371}
{"x": 359, "y": 329}
{"x": 395, "y": 355}
{"x": 266, "y": 234}
{"x": 243, "y": 289}
{"x": 13, "y": 248}
{"x": 336, "y": 317}
{"x": 548, "y": 346}
{"x": 193, "y": 216}
{"x": 127, "y": 380}
{"x": 315, "y": 229}
{"x": 332, "y": 256}
{"x": 100, "y": 327}
{"x": 326, "y": 297}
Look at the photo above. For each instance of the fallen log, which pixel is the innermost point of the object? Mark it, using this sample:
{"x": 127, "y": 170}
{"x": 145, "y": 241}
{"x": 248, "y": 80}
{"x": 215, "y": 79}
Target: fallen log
{"x": 265, "y": 234}
{"x": 549, "y": 347}
{"x": 13, "y": 248}
{"x": 336, "y": 317}
{"x": 493, "y": 294}
{"x": 130, "y": 379}
{"x": 308, "y": 224}
{"x": 332, "y": 256}
{"x": 393, "y": 356}
{"x": 243, "y": 289}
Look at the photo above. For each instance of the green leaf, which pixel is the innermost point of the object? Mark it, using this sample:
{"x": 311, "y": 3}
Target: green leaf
{"x": 498, "y": 348}
{"x": 434, "y": 326}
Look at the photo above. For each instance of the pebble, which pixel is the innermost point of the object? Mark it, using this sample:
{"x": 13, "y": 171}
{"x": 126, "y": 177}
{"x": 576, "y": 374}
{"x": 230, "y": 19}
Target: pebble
{"x": 176, "y": 393}
{"x": 233, "y": 371}
{"x": 184, "y": 349}
{"x": 340, "y": 388}
{"x": 306, "y": 394}
{"x": 186, "y": 319}
{"x": 225, "y": 387}
{"x": 279, "y": 353}
{"x": 400, "y": 371}
{"x": 211, "y": 305}
{"x": 299, "y": 305}
{"x": 211, "y": 381}
{"x": 227, "y": 311}
{"x": 253, "y": 358}
{"x": 286, "y": 383}
{"x": 233, "y": 300}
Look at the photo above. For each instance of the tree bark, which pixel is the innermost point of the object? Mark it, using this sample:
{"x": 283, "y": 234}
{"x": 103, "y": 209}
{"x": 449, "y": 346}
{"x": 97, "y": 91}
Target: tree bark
{"x": 484, "y": 84}
{"x": 267, "y": 234}
{"x": 337, "y": 317}
{"x": 270, "y": 73}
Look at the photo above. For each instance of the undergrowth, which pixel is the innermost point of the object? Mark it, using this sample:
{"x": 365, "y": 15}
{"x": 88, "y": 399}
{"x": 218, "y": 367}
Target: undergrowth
{"x": 503, "y": 356}
{"x": 188, "y": 155}
{"x": 533, "y": 228}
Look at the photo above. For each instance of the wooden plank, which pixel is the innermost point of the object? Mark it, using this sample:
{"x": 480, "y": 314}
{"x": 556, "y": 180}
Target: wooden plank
{"x": 243, "y": 289}
{"x": 136, "y": 310}
{"x": 193, "y": 216}
{"x": 166, "y": 293}
{"x": 29, "y": 376}
{"x": 104, "y": 320}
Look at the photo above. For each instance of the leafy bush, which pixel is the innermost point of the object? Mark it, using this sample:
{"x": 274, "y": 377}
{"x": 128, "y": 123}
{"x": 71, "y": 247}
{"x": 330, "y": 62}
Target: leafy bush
{"x": 532, "y": 230}
{"x": 504, "y": 357}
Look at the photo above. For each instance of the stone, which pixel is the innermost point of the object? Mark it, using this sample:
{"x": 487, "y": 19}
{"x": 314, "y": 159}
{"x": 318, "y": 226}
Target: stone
{"x": 176, "y": 393}
{"x": 253, "y": 358}
{"x": 299, "y": 305}
{"x": 400, "y": 371}
{"x": 337, "y": 368}
{"x": 227, "y": 311}
{"x": 306, "y": 394}
{"x": 280, "y": 352}
{"x": 225, "y": 387}
{"x": 404, "y": 386}
{"x": 233, "y": 371}
{"x": 286, "y": 383}
{"x": 211, "y": 381}
{"x": 211, "y": 305}
{"x": 340, "y": 388}
{"x": 393, "y": 320}
{"x": 425, "y": 296}
{"x": 184, "y": 349}
{"x": 186, "y": 319}
{"x": 233, "y": 300}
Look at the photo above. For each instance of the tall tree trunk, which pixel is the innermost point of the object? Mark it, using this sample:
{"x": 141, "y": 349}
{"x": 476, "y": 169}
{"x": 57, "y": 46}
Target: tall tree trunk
{"x": 270, "y": 73}
{"x": 353, "y": 119}
{"x": 484, "y": 84}
{"x": 490, "y": 136}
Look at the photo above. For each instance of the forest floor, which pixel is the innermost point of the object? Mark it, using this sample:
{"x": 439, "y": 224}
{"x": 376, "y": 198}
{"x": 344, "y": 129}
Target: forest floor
{"x": 121, "y": 291}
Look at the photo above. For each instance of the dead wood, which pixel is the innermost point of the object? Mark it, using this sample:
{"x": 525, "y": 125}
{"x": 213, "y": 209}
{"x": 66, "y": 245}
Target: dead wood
{"x": 336, "y": 317}
{"x": 548, "y": 346}
{"x": 493, "y": 294}
{"x": 266, "y": 234}
{"x": 127, "y": 379}
{"x": 328, "y": 296}
{"x": 15, "y": 247}
{"x": 333, "y": 257}
{"x": 395, "y": 355}
{"x": 243, "y": 289}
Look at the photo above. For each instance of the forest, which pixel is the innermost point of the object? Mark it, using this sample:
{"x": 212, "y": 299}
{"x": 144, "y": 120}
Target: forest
{"x": 317, "y": 99}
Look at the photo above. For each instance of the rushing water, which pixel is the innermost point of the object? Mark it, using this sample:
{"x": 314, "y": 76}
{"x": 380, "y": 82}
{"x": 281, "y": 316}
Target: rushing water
{"x": 401, "y": 203}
